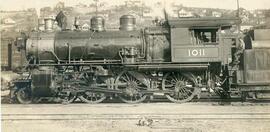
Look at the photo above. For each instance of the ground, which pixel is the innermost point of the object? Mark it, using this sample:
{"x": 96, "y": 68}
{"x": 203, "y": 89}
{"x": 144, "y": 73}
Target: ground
{"x": 148, "y": 117}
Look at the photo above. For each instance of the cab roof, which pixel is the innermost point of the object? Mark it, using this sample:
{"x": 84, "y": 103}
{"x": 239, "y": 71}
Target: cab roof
{"x": 203, "y": 23}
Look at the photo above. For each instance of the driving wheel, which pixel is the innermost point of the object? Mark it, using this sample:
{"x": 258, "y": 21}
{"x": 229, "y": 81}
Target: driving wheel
{"x": 131, "y": 87}
{"x": 182, "y": 87}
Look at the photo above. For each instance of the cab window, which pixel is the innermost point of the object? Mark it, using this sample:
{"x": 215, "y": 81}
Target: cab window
{"x": 204, "y": 36}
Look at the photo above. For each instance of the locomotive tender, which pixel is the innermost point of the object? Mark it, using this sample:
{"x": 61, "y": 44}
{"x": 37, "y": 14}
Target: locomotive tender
{"x": 178, "y": 59}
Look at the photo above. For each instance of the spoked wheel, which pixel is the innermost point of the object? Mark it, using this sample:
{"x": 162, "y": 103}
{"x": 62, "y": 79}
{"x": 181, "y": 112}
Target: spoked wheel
{"x": 182, "y": 85}
{"x": 66, "y": 99}
{"x": 131, "y": 87}
{"x": 91, "y": 97}
{"x": 24, "y": 96}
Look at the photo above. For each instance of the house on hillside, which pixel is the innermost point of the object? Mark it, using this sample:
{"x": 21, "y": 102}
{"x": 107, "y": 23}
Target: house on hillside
{"x": 216, "y": 14}
{"x": 60, "y": 5}
{"x": 184, "y": 13}
{"x": 85, "y": 27}
{"x": 9, "y": 21}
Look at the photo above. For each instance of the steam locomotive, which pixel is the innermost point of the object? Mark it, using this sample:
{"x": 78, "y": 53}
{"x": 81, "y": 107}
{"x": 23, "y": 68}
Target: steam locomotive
{"x": 178, "y": 59}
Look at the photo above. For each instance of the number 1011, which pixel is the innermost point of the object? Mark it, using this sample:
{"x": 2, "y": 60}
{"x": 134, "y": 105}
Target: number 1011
{"x": 196, "y": 52}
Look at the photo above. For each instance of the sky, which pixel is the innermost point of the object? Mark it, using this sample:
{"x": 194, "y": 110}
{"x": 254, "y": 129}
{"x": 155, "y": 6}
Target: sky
{"x": 9, "y": 5}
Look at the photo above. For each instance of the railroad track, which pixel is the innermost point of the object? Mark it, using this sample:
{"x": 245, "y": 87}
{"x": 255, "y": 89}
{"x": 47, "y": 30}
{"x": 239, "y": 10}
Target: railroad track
{"x": 206, "y": 101}
{"x": 176, "y": 116}
{"x": 215, "y": 100}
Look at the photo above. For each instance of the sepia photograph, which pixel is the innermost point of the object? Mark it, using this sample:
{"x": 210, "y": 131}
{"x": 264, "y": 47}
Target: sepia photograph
{"x": 135, "y": 65}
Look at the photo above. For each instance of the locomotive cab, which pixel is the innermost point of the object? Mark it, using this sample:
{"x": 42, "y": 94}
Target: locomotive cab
{"x": 200, "y": 39}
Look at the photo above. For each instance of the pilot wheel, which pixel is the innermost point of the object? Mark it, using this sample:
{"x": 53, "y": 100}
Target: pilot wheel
{"x": 23, "y": 95}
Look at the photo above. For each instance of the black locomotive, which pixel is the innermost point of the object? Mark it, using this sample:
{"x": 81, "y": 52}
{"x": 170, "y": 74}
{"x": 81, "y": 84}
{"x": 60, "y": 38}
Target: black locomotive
{"x": 178, "y": 59}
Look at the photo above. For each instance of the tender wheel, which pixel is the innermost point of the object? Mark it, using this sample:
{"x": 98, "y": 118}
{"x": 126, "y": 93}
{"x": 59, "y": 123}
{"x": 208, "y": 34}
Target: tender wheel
{"x": 131, "y": 87}
{"x": 24, "y": 96}
{"x": 92, "y": 98}
{"x": 182, "y": 85}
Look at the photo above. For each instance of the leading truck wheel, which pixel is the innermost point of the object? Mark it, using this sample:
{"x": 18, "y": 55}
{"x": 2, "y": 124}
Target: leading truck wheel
{"x": 24, "y": 96}
{"x": 182, "y": 87}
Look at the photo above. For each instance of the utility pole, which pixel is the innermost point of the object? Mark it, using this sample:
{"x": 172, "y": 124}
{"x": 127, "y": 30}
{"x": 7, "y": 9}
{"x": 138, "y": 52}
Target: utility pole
{"x": 238, "y": 11}
{"x": 96, "y": 6}
{"x": 142, "y": 6}
{"x": 238, "y": 16}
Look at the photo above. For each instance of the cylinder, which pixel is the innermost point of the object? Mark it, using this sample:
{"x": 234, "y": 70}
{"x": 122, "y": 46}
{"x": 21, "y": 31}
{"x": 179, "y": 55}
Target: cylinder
{"x": 127, "y": 23}
{"x": 97, "y": 23}
{"x": 48, "y": 24}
